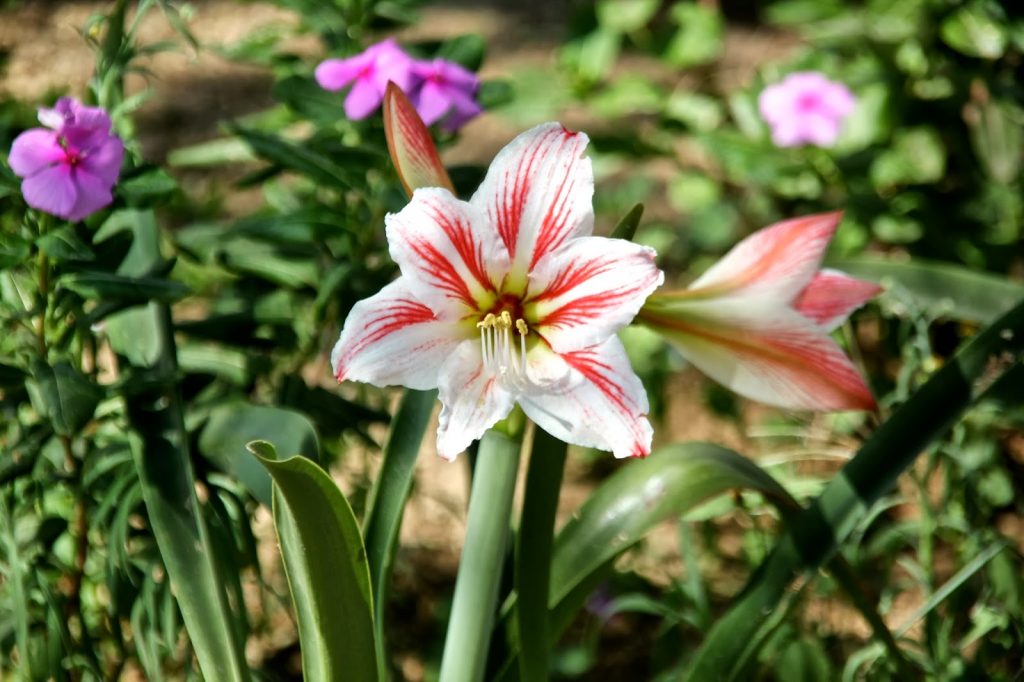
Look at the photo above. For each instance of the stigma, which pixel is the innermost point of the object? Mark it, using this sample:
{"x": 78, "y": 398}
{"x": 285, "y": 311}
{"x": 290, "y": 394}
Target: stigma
{"x": 502, "y": 357}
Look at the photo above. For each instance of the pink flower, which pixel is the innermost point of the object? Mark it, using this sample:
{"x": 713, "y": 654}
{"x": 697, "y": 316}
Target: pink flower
{"x": 446, "y": 93}
{"x": 368, "y": 72}
{"x": 70, "y": 168}
{"x": 508, "y": 298}
{"x": 806, "y": 108}
{"x": 758, "y": 321}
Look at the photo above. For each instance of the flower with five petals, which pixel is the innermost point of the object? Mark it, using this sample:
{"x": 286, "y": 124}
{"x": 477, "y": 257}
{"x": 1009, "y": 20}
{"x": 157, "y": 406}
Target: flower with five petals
{"x": 508, "y": 298}
{"x": 369, "y": 73}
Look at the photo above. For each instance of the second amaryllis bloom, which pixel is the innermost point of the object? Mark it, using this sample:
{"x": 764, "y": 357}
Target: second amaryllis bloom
{"x": 758, "y": 321}
{"x": 508, "y": 298}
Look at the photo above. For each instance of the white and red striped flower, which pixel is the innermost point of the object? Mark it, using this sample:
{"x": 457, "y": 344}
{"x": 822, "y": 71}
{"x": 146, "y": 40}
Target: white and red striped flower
{"x": 508, "y": 298}
{"x": 758, "y": 321}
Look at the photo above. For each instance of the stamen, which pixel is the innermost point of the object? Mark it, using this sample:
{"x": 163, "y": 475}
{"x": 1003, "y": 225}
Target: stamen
{"x": 496, "y": 347}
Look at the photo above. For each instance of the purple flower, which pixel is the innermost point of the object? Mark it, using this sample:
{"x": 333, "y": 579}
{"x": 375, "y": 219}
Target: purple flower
{"x": 806, "y": 108}
{"x": 71, "y": 166}
{"x": 368, "y": 72}
{"x": 447, "y": 93}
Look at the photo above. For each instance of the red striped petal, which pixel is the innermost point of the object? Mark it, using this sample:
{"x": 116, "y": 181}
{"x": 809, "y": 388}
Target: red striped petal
{"x": 832, "y": 296}
{"x": 779, "y": 358}
{"x": 410, "y": 144}
{"x": 537, "y": 193}
{"x": 595, "y": 399}
{"x": 472, "y": 401}
{"x": 588, "y": 289}
{"x": 393, "y": 339}
{"x": 778, "y": 261}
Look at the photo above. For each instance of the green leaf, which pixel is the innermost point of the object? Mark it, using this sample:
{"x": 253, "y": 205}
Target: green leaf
{"x": 816, "y": 533}
{"x": 625, "y": 16}
{"x": 466, "y": 50}
{"x": 917, "y": 156}
{"x": 627, "y": 226}
{"x": 14, "y": 250}
{"x": 388, "y": 497}
{"x": 110, "y": 287}
{"x": 65, "y": 396}
{"x": 973, "y": 31}
{"x": 699, "y": 38}
{"x": 297, "y": 157}
{"x": 997, "y": 138}
{"x": 954, "y": 290}
{"x": 63, "y": 244}
{"x": 233, "y": 426}
{"x": 152, "y": 185}
{"x": 327, "y": 569}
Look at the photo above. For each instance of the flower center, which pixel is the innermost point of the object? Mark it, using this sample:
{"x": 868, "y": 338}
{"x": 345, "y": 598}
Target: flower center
{"x": 807, "y": 102}
{"x": 499, "y": 350}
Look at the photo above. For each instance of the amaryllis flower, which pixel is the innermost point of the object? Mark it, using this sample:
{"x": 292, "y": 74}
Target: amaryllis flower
{"x": 447, "y": 93}
{"x": 806, "y": 108}
{"x": 71, "y": 166}
{"x": 758, "y": 321}
{"x": 508, "y": 298}
{"x": 368, "y": 73}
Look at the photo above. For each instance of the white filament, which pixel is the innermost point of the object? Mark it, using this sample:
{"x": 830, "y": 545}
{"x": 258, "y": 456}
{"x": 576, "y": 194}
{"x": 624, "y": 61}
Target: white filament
{"x": 498, "y": 349}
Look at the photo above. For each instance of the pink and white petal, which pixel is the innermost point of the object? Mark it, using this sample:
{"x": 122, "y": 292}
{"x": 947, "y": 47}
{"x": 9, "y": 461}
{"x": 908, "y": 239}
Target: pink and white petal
{"x": 34, "y": 150}
{"x": 589, "y": 288}
{"x": 334, "y": 74}
{"x": 775, "y": 263}
{"x": 464, "y": 108}
{"x": 788, "y": 133}
{"x": 362, "y": 100}
{"x": 393, "y": 339}
{"x": 432, "y": 102}
{"x": 821, "y": 129}
{"x": 832, "y": 296}
{"x": 450, "y": 263}
{"x": 775, "y": 104}
{"x": 51, "y": 190}
{"x": 412, "y": 148}
{"x": 472, "y": 401}
{"x": 599, "y": 403}
{"x": 93, "y": 193}
{"x": 780, "y": 358}
{"x": 538, "y": 193}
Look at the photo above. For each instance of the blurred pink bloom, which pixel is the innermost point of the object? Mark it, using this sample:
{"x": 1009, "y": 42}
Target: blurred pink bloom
{"x": 806, "y": 108}
{"x": 758, "y": 321}
{"x": 368, "y": 73}
{"x": 509, "y": 298}
{"x": 447, "y": 93}
{"x": 70, "y": 167}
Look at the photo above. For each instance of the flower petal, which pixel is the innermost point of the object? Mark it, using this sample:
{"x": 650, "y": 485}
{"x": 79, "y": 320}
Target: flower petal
{"x": 472, "y": 401}
{"x": 362, "y": 99}
{"x": 335, "y": 74}
{"x": 411, "y": 147}
{"x": 599, "y": 402}
{"x": 775, "y": 263}
{"x": 432, "y": 102}
{"x": 393, "y": 339}
{"x": 93, "y": 193}
{"x": 51, "y": 190}
{"x": 588, "y": 289}
{"x": 464, "y": 108}
{"x": 832, "y": 296}
{"x": 104, "y": 160}
{"x": 774, "y": 356}
{"x": 538, "y": 193}
{"x": 33, "y": 151}
{"x": 450, "y": 262}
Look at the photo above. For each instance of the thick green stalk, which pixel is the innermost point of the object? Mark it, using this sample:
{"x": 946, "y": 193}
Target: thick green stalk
{"x": 476, "y": 588}
{"x": 533, "y": 553}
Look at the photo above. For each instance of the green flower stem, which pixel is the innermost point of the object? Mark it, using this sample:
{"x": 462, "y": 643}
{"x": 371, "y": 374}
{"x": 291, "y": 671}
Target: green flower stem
{"x": 476, "y": 588}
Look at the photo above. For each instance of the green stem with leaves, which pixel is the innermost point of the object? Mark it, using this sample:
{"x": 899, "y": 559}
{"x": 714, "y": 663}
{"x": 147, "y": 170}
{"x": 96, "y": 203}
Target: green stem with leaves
{"x": 476, "y": 588}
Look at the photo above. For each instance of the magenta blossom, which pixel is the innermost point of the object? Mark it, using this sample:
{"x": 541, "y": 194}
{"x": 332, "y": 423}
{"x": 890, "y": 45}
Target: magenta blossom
{"x": 806, "y": 108}
{"x": 71, "y": 166}
{"x": 447, "y": 93}
{"x": 368, "y": 73}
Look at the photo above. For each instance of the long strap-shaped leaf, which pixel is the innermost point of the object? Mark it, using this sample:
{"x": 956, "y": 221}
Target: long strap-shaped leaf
{"x": 144, "y": 338}
{"x": 326, "y": 566}
{"x": 625, "y": 507}
{"x": 817, "y": 532}
{"x": 387, "y": 502}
